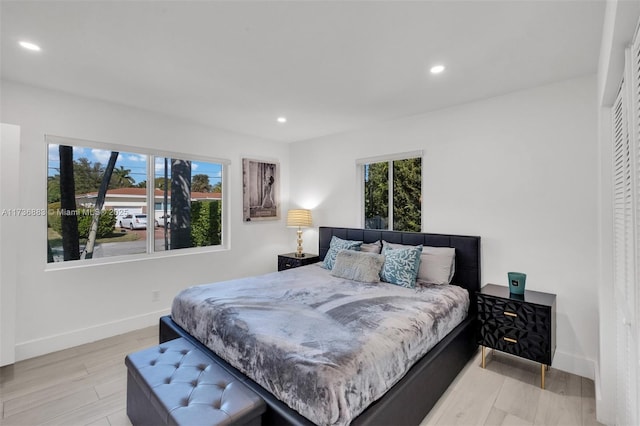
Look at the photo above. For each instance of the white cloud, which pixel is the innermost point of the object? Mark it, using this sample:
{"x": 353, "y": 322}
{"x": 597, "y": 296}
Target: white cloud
{"x": 137, "y": 157}
{"x": 160, "y": 166}
{"x": 101, "y": 155}
{"x": 54, "y": 155}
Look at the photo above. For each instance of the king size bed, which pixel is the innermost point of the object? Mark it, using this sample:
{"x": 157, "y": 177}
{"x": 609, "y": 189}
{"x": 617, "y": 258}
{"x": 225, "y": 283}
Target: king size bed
{"x": 320, "y": 348}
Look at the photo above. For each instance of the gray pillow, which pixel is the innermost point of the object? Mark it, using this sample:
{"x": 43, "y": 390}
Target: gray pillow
{"x": 437, "y": 264}
{"x": 358, "y": 266}
{"x": 372, "y": 247}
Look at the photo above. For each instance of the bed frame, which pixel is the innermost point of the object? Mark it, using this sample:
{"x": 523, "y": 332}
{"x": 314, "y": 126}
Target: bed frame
{"x": 411, "y": 399}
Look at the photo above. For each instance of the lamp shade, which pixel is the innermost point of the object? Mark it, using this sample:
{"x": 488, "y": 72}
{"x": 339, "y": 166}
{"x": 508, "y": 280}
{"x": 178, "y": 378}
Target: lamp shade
{"x": 299, "y": 217}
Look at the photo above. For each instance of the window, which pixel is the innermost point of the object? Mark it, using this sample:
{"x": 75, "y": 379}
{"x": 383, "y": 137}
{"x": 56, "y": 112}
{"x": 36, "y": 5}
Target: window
{"x": 100, "y": 203}
{"x": 392, "y": 192}
{"x": 192, "y": 193}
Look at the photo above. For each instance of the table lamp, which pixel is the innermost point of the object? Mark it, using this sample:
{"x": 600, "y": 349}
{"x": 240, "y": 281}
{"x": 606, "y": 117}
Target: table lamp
{"x": 302, "y": 219}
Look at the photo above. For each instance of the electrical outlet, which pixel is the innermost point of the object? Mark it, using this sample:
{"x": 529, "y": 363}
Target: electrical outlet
{"x": 155, "y": 295}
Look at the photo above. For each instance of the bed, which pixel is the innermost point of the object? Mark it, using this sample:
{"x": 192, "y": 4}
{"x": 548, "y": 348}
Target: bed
{"x": 412, "y": 393}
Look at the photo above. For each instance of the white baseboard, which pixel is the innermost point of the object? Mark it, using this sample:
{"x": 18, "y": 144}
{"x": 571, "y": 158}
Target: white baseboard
{"x": 45, "y": 345}
{"x": 575, "y": 365}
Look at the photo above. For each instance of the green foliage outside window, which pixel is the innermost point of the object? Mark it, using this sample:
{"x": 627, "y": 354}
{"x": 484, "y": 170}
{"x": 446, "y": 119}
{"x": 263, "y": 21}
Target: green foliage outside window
{"x": 106, "y": 225}
{"x": 206, "y": 226}
{"x": 53, "y": 189}
{"x": 376, "y": 195}
{"x": 87, "y": 178}
{"x": 407, "y": 195}
{"x": 200, "y": 183}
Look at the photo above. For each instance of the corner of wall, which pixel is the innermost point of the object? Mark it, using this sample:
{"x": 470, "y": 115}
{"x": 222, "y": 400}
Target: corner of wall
{"x": 575, "y": 365}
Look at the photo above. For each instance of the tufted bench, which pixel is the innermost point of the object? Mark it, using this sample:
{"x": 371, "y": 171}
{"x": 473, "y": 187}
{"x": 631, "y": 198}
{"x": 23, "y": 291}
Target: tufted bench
{"x": 176, "y": 384}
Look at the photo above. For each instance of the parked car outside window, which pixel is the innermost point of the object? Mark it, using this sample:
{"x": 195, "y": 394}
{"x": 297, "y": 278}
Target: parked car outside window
{"x": 134, "y": 221}
{"x": 160, "y": 221}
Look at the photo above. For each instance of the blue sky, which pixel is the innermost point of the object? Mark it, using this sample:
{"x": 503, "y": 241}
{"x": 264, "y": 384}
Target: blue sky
{"x": 137, "y": 163}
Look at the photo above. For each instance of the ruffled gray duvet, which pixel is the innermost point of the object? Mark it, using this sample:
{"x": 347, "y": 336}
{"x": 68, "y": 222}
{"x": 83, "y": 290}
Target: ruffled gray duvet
{"x": 325, "y": 346}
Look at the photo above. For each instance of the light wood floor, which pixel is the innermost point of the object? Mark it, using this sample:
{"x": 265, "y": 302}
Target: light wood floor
{"x": 86, "y": 385}
{"x": 507, "y": 392}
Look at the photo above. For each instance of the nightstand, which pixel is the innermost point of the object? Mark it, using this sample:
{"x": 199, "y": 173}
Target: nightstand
{"x": 522, "y": 325}
{"x": 289, "y": 260}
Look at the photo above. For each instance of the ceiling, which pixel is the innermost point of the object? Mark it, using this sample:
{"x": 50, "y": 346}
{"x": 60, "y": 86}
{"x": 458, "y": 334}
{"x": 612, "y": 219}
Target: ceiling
{"x": 328, "y": 66}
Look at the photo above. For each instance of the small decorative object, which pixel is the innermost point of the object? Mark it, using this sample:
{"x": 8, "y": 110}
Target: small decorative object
{"x": 302, "y": 219}
{"x": 260, "y": 190}
{"x": 516, "y": 282}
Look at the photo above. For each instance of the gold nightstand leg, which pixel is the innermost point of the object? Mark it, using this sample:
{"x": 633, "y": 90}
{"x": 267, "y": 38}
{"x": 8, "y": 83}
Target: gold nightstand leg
{"x": 542, "y": 370}
{"x": 482, "y": 356}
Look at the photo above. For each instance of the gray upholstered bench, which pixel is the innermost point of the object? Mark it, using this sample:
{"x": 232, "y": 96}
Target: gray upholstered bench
{"x": 176, "y": 384}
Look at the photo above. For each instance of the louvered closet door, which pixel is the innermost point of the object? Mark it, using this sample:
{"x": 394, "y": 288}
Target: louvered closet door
{"x": 626, "y": 138}
{"x": 624, "y": 252}
{"x": 632, "y": 291}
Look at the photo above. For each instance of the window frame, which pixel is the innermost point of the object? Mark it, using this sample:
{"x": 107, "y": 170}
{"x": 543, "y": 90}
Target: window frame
{"x": 151, "y": 155}
{"x": 390, "y": 158}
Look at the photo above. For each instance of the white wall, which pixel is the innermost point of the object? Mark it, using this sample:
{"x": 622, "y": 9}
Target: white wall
{"x": 62, "y": 308}
{"x": 519, "y": 170}
{"x": 9, "y": 197}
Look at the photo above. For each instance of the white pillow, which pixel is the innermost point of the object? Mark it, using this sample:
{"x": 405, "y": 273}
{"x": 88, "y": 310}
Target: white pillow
{"x": 437, "y": 264}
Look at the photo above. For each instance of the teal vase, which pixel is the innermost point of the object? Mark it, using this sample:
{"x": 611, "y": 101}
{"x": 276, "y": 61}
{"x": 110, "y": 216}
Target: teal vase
{"x": 516, "y": 282}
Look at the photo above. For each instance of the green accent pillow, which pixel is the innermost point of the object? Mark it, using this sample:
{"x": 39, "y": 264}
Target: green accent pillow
{"x": 401, "y": 265}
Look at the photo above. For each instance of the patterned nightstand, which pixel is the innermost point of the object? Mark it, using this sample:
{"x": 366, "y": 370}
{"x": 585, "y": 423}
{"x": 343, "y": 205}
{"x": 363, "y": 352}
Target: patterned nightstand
{"x": 289, "y": 260}
{"x": 522, "y": 325}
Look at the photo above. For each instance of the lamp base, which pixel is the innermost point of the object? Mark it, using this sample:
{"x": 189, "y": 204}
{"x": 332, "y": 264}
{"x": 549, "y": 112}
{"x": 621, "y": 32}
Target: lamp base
{"x": 299, "y": 252}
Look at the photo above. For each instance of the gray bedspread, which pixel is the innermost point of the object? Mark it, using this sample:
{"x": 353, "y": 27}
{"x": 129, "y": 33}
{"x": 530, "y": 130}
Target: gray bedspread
{"x": 325, "y": 346}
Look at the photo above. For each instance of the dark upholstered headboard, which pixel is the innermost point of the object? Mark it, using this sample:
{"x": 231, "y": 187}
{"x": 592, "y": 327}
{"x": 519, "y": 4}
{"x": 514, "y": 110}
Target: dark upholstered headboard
{"x": 467, "y": 249}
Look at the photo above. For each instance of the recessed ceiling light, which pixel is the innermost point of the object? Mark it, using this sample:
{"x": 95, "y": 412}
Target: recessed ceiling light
{"x": 30, "y": 46}
{"x": 437, "y": 69}
{"x": 282, "y": 119}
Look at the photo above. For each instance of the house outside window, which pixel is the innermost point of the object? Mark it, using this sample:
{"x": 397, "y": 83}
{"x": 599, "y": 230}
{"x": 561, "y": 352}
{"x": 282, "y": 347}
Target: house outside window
{"x": 392, "y": 192}
{"x": 105, "y": 201}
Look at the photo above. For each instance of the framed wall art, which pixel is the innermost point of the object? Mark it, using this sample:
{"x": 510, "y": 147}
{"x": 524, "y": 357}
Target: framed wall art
{"x": 261, "y": 190}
